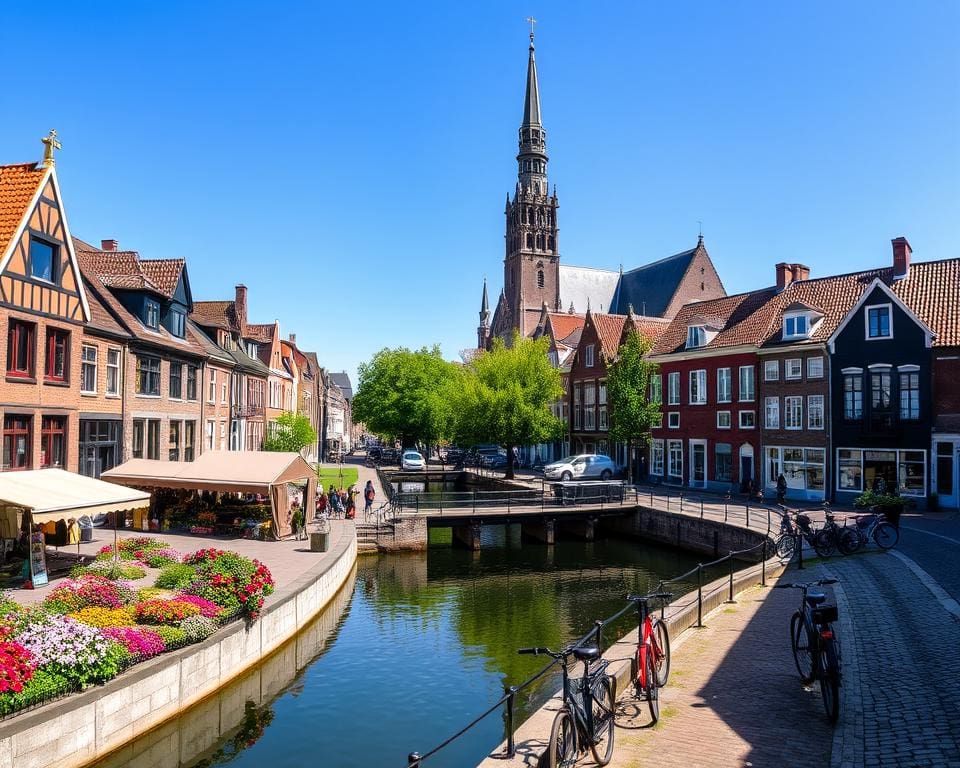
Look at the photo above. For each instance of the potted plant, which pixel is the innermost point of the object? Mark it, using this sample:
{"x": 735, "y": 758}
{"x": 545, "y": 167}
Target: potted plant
{"x": 890, "y": 505}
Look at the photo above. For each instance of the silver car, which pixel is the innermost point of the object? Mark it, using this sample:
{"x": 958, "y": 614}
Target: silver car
{"x": 582, "y": 467}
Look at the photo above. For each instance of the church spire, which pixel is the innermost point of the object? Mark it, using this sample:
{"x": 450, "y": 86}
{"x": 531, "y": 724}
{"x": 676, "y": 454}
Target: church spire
{"x": 483, "y": 330}
{"x": 531, "y": 104}
{"x": 532, "y": 157}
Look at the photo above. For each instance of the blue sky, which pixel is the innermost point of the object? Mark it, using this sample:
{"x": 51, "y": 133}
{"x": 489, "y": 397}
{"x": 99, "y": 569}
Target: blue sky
{"x": 349, "y": 163}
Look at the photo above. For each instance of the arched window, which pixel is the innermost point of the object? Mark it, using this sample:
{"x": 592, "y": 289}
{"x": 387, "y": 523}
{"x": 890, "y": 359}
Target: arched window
{"x": 550, "y": 244}
{"x": 539, "y": 278}
{"x": 529, "y": 240}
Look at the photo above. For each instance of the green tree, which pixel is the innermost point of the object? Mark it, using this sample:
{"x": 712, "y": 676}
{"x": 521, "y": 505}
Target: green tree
{"x": 504, "y": 397}
{"x": 404, "y": 395}
{"x": 291, "y": 432}
{"x": 632, "y": 413}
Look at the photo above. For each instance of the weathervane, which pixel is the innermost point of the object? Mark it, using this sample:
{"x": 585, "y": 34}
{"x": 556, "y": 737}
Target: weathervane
{"x": 533, "y": 23}
{"x": 50, "y": 143}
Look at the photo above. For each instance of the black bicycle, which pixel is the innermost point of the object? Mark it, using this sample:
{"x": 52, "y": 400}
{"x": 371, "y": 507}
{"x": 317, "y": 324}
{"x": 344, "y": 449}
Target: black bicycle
{"x": 586, "y": 718}
{"x": 792, "y": 535}
{"x": 816, "y": 648}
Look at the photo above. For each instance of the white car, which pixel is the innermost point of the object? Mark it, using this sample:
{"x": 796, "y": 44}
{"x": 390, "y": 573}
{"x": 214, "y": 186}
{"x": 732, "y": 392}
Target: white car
{"x": 412, "y": 460}
{"x": 581, "y": 467}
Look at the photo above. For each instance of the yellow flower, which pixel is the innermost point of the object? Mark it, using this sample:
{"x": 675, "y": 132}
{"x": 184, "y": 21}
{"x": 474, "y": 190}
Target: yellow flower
{"x": 104, "y": 617}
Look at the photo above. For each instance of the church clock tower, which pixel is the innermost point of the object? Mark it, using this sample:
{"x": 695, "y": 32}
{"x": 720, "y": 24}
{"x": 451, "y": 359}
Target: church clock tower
{"x": 531, "y": 267}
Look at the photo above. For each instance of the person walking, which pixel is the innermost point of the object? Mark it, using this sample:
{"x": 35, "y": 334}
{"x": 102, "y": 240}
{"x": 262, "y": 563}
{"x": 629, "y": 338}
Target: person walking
{"x": 351, "y": 502}
{"x": 781, "y": 488}
{"x": 368, "y": 496}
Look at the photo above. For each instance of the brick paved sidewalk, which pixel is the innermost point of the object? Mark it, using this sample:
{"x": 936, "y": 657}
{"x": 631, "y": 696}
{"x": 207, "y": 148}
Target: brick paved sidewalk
{"x": 734, "y": 697}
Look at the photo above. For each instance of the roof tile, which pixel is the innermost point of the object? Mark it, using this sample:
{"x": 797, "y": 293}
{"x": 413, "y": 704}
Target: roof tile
{"x": 18, "y": 185}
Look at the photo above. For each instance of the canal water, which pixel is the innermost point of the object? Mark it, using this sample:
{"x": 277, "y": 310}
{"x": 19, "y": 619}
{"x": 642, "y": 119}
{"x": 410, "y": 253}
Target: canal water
{"x": 410, "y": 651}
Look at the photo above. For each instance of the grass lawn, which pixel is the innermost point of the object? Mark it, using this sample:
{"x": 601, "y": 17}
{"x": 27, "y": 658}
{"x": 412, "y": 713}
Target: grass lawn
{"x": 327, "y": 476}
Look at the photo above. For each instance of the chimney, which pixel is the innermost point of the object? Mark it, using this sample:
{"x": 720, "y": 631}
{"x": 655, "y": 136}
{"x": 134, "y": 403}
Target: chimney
{"x": 240, "y": 308}
{"x": 109, "y": 245}
{"x": 901, "y": 257}
{"x": 293, "y": 338}
{"x": 784, "y": 275}
{"x": 801, "y": 272}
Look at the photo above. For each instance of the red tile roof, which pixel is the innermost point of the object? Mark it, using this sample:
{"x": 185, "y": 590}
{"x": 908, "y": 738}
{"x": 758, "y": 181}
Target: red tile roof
{"x": 651, "y": 327}
{"x": 261, "y": 331}
{"x": 932, "y": 290}
{"x": 164, "y": 274}
{"x": 18, "y": 185}
{"x": 126, "y": 270}
{"x": 609, "y": 330}
{"x": 216, "y": 314}
{"x": 564, "y": 324}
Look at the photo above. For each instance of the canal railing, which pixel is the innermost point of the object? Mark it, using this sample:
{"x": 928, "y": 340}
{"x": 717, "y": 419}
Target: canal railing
{"x": 507, "y": 702}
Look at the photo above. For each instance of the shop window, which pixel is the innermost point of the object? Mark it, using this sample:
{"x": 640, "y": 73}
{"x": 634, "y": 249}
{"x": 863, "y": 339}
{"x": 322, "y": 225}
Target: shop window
{"x": 723, "y": 470}
{"x": 849, "y": 469}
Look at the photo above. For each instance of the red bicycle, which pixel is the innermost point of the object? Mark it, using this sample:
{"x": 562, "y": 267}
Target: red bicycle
{"x": 653, "y": 652}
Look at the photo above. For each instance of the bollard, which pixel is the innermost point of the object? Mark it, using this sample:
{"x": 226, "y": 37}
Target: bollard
{"x": 511, "y": 744}
{"x": 768, "y": 522}
{"x": 725, "y": 508}
{"x": 699, "y": 594}
{"x": 763, "y": 566}
{"x": 474, "y": 502}
{"x": 508, "y": 503}
{"x": 413, "y": 760}
{"x": 800, "y": 550}
{"x": 730, "y": 560}
{"x": 748, "y": 512}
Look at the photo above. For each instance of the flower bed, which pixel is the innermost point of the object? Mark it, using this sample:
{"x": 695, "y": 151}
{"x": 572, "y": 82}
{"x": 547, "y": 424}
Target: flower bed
{"x": 92, "y": 627}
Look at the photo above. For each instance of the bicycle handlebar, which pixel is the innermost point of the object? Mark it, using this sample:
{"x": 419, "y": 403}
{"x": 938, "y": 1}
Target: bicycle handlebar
{"x": 820, "y": 583}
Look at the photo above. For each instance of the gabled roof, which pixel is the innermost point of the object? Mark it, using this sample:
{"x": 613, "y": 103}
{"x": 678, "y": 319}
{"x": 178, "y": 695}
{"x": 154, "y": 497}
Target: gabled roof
{"x": 125, "y": 270}
{"x": 262, "y": 332}
{"x": 19, "y": 184}
{"x": 563, "y": 324}
{"x": 216, "y": 314}
{"x": 342, "y": 380}
{"x": 651, "y": 288}
{"x": 586, "y": 288}
{"x": 651, "y": 327}
{"x": 102, "y": 319}
{"x": 164, "y": 274}
{"x": 609, "y": 330}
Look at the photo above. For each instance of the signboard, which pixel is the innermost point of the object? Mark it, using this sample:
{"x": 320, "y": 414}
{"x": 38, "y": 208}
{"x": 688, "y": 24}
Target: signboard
{"x": 38, "y": 563}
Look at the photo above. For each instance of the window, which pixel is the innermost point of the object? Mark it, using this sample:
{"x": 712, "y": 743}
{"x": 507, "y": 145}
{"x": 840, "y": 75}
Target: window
{"x": 189, "y": 428}
{"x": 912, "y": 473}
{"x": 748, "y": 419}
{"x": 178, "y": 323}
{"x": 223, "y": 435}
{"x": 814, "y": 367}
{"x": 20, "y": 343}
{"x": 212, "y": 386}
{"x": 673, "y": 388}
{"x": 815, "y": 412}
{"x": 793, "y": 368}
{"x": 746, "y": 383}
{"x": 602, "y": 402}
{"x": 113, "y": 372}
{"x": 176, "y": 380}
{"x": 696, "y": 336}
{"x": 771, "y": 412}
{"x": 148, "y": 376}
{"x": 795, "y": 326}
{"x": 43, "y": 260}
{"x": 723, "y": 420}
{"x": 191, "y": 382}
{"x": 53, "y": 441}
{"x": 589, "y": 405}
{"x": 88, "y": 370}
{"x": 850, "y": 466}
{"x": 853, "y": 396}
{"x": 56, "y": 366}
{"x": 793, "y": 412}
{"x": 724, "y": 388}
{"x": 588, "y": 356}
{"x": 223, "y": 392}
{"x": 656, "y": 388}
{"x": 539, "y": 278}
{"x": 673, "y": 420}
{"x": 138, "y": 428}
{"x": 656, "y": 458}
{"x": 910, "y": 396}
{"x": 698, "y": 387}
{"x": 577, "y": 405}
{"x": 17, "y": 442}
{"x": 880, "y": 390}
{"x": 879, "y": 324}
{"x": 723, "y": 454}
{"x": 210, "y": 426}
{"x": 675, "y": 456}
{"x": 153, "y": 439}
{"x": 174, "y": 448}
{"x": 771, "y": 370}
{"x": 151, "y": 313}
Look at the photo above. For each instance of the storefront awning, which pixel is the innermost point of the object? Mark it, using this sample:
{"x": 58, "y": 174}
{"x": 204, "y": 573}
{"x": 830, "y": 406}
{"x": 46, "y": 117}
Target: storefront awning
{"x": 54, "y": 494}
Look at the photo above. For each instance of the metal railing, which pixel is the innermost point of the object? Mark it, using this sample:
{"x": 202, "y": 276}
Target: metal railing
{"x": 508, "y": 700}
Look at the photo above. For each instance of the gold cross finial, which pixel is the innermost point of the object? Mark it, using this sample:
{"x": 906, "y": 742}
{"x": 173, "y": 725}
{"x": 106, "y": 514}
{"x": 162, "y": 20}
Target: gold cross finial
{"x": 533, "y": 23}
{"x": 50, "y": 143}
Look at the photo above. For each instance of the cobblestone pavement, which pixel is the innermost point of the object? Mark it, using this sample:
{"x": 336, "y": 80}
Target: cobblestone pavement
{"x": 734, "y": 697}
{"x": 933, "y": 541}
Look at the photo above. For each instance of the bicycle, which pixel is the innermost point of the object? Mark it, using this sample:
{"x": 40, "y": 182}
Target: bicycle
{"x": 653, "y": 653}
{"x": 792, "y": 535}
{"x": 816, "y": 648}
{"x": 587, "y": 715}
{"x": 884, "y": 534}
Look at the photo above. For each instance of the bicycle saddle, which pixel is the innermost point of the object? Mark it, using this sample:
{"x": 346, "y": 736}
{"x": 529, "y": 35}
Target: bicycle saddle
{"x": 589, "y": 653}
{"x": 815, "y": 598}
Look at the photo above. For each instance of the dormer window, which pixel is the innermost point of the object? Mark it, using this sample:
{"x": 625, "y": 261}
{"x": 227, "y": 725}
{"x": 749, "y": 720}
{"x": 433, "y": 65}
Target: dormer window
{"x": 252, "y": 349}
{"x": 796, "y": 326}
{"x": 696, "y": 336}
{"x": 588, "y": 355}
{"x": 178, "y": 323}
{"x": 151, "y": 313}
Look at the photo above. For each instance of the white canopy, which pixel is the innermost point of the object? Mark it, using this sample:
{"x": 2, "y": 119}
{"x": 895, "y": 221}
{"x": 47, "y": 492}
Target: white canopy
{"x": 53, "y": 494}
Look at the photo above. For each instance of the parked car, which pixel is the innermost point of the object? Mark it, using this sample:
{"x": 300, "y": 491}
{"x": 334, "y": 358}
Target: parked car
{"x": 581, "y": 467}
{"x": 412, "y": 460}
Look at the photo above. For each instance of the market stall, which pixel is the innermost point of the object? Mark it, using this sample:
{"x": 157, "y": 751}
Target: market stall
{"x": 226, "y": 489}
{"x": 47, "y": 505}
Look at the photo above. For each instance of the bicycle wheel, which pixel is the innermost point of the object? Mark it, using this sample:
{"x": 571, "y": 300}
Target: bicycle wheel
{"x": 661, "y": 651}
{"x": 786, "y": 546}
{"x": 604, "y": 702}
{"x": 562, "y": 750}
{"x": 653, "y": 690}
{"x": 830, "y": 680}
{"x": 824, "y": 543}
{"x": 849, "y": 541}
{"x": 800, "y": 642}
{"x": 886, "y": 535}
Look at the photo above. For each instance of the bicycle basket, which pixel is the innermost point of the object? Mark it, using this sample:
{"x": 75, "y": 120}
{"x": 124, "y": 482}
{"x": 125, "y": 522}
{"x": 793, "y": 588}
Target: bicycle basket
{"x": 804, "y": 522}
{"x": 824, "y": 614}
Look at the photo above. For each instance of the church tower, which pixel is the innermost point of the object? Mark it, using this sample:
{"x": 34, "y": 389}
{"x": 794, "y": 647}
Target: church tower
{"x": 531, "y": 267}
{"x": 483, "y": 330}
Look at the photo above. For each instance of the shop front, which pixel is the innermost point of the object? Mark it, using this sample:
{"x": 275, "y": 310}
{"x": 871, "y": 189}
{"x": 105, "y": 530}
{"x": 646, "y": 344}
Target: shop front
{"x": 889, "y": 470}
{"x": 804, "y": 470}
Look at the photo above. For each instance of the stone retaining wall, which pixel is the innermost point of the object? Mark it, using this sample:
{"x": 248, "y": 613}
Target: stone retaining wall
{"x": 85, "y": 727}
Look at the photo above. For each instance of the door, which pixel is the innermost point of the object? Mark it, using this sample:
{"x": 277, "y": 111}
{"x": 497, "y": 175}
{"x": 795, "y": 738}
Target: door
{"x": 947, "y": 457}
{"x": 698, "y": 463}
{"x": 746, "y": 465}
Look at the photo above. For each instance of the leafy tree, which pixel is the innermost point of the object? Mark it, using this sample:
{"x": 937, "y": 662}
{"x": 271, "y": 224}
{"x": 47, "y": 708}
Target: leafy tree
{"x": 504, "y": 397}
{"x": 632, "y": 413}
{"x": 291, "y": 432}
{"x": 404, "y": 394}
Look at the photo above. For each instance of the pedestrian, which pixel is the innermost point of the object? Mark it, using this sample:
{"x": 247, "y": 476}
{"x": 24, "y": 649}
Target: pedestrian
{"x": 321, "y": 503}
{"x": 781, "y": 488}
{"x": 297, "y": 521}
{"x": 368, "y": 496}
{"x": 352, "y": 502}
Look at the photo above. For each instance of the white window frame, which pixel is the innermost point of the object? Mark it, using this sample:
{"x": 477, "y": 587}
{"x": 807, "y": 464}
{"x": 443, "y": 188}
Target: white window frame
{"x": 210, "y": 434}
{"x": 671, "y": 444}
{"x": 656, "y": 388}
{"x": 673, "y": 392}
{"x": 119, "y": 369}
{"x": 815, "y": 403}
{"x": 866, "y": 321}
{"x": 771, "y": 370}
{"x": 724, "y": 395}
{"x": 673, "y": 423}
{"x": 819, "y": 360}
{"x": 790, "y": 410}
{"x": 96, "y": 367}
{"x": 657, "y": 458}
{"x": 698, "y": 382}
{"x": 796, "y": 316}
{"x": 793, "y": 369}
{"x": 741, "y": 414}
{"x": 768, "y": 422}
{"x": 753, "y": 384}
{"x": 212, "y": 386}
{"x": 588, "y": 356}
{"x": 696, "y": 336}
{"x": 729, "y": 420}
